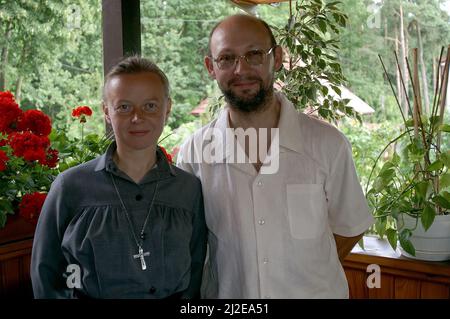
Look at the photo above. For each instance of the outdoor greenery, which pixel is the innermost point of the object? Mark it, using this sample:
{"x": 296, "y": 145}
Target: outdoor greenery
{"x": 51, "y": 60}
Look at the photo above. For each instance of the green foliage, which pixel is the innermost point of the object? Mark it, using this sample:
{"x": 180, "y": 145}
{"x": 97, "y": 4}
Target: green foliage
{"x": 312, "y": 69}
{"x": 367, "y": 142}
{"x": 55, "y": 56}
{"x": 175, "y": 35}
{"x": 408, "y": 182}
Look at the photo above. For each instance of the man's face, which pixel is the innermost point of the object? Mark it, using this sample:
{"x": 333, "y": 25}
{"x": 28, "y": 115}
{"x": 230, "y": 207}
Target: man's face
{"x": 136, "y": 107}
{"x": 246, "y": 87}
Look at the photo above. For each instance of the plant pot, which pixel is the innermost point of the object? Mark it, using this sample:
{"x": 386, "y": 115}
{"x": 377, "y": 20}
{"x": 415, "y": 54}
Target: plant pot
{"x": 16, "y": 229}
{"x": 430, "y": 245}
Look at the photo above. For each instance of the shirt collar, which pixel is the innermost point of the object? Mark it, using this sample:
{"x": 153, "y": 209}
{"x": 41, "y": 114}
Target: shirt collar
{"x": 289, "y": 125}
{"x": 163, "y": 170}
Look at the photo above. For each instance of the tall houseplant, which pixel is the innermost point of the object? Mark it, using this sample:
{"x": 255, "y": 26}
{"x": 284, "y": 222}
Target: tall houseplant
{"x": 410, "y": 193}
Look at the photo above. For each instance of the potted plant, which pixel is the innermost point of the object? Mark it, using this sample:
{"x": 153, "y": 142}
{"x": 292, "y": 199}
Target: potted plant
{"x": 410, "y": 193}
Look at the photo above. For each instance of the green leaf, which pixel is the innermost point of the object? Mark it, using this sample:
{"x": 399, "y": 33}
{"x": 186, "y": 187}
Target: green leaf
{"x": 323, "y": 26}
{"x": 336, "y": 89}
{"x": 322, "y": 64}
{"x": 317, "y": 51}
{"x": 406, "y": 244}
{"x": 445, "y": 158}
{"x": 422, "y": 189}
{"x": 435, "y": 166}
{"x": 395, "y": 159}
{"x": 380, "y": 226}
{"x": 445, "y": 128}
{"x": 446, "y": 195}
{"x": 378, "y": 185}
{"x": 427, "y": 217}
{"x": 409, "y": 123}
{"x": 441, "y": 201}
{"x": 387, "y": 175}
{"x": 444, "y": 180}
{"x": 392, "y": 237}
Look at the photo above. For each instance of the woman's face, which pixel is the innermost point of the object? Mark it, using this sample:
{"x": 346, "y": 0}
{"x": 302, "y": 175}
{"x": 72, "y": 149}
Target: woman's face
{"x": 137, "y": 108}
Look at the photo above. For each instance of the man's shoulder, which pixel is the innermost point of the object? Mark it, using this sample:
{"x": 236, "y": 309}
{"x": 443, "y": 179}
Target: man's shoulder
{"x": 315, "y": 131}
{"x": 199, "y": 135}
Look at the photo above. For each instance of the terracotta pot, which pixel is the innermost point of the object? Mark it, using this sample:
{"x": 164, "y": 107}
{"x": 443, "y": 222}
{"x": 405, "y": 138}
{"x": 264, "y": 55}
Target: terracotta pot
{"x": 16, "y": 229}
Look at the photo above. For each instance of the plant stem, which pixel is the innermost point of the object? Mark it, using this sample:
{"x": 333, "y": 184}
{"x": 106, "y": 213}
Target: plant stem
{"x": 381, "y": 153}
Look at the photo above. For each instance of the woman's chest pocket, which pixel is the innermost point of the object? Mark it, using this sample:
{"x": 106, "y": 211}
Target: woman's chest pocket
{"x": 307, "y": 210}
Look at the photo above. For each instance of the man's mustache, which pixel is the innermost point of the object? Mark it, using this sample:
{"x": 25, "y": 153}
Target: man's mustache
{"x": 244, "y": 79}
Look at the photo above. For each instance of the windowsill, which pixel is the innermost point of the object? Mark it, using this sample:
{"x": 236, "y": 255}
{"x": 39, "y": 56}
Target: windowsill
{"x": 379, "y": 252}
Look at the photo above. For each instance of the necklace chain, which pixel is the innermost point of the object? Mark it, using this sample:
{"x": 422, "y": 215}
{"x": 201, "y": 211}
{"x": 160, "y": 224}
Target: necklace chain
{"x": 141, "y": 235}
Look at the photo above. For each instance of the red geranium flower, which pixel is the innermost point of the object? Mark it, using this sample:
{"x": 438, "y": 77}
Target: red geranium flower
{"x": 168, "y": 156}
{"x": 3, "y": 159}
{"x": 52, "y": 158}
{"x": 30, "y": 146}
{"x": 82, "y": 112}
{"x": 35, "y": 121}
{"x": 9, "y": 112}
{"x": 31, "y": 205}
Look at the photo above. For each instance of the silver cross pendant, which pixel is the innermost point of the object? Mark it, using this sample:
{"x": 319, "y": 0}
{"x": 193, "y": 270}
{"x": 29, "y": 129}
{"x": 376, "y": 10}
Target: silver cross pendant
{"x": 141, "y": 255}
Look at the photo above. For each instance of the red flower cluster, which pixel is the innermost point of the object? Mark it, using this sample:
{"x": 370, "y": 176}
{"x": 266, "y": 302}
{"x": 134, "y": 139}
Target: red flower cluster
{"x": 31, "y": 205}
{"x": 10, "y": 112}
{"x": 27, "y": 132}
{"x": 52, "y": 158}
{"x": 168, "y": 156}
{"x": 82, "y": 112}
{"x": 3, "y": 159}
{"x": 36, "y": 122}
{"x": 29, "y": 146}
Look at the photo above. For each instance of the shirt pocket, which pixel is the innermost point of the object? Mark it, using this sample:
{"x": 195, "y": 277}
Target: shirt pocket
{"x": 307, "y": 210}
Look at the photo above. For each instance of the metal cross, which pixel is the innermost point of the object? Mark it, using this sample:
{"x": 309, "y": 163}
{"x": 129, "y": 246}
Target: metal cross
{"x": 141, "y": 255}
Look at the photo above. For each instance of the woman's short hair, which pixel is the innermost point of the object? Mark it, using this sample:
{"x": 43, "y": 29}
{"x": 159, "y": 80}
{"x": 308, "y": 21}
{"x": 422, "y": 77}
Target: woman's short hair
{"x": 136, "y": 64}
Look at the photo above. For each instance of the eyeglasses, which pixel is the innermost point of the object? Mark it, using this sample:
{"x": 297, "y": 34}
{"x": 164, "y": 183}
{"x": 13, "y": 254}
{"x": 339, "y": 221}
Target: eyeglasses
{"x": 253, "y": 57}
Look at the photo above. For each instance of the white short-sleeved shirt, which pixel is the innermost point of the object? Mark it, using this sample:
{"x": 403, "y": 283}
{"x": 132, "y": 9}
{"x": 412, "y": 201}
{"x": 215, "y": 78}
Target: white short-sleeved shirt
{"x": 271, "y": 235}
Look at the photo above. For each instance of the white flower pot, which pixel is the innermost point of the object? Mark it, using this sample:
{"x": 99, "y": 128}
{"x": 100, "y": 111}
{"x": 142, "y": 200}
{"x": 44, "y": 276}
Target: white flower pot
{"x": 433, "y": 244}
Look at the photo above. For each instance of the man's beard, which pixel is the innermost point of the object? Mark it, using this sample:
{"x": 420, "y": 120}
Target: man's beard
{"x": 252, "y": 103}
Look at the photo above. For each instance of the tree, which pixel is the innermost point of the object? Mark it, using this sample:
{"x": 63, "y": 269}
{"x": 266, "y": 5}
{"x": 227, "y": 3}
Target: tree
{"x": 176, "y": 36}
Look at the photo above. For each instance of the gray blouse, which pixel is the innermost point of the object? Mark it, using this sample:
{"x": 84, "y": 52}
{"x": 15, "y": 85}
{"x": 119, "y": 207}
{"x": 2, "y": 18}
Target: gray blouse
{"x": 83, "y": 223}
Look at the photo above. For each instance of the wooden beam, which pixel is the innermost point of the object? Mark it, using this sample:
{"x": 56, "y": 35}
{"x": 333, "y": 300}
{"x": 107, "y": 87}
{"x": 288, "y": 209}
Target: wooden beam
{"x": 121, "y": 30}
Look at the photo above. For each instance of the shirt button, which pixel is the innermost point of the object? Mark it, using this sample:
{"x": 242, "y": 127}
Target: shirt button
{"x": 261, "y": 222}
{"x": 152, "y": 290}
{"x": 267, "y": 297}
{"x": 265, "y": 260}
{"x": 259, "y": 183}
{"x": 138, "y": 197}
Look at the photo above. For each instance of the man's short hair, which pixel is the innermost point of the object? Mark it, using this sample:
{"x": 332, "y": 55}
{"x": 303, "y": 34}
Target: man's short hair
{"x": 273, "y": 42}
{"x": 136, "y": 64}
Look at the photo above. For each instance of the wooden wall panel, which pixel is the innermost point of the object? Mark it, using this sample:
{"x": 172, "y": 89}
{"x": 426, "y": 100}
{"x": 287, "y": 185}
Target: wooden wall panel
{"x": 430, "y": 290}
{"x": 357, "y": 284}
{"x": 406, "y": 288}
{"x": 15, "y": 279}
{"x": 386, "y": 290}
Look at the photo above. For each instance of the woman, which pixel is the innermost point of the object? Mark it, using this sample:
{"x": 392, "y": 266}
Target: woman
{"x": 127, "y": 224}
